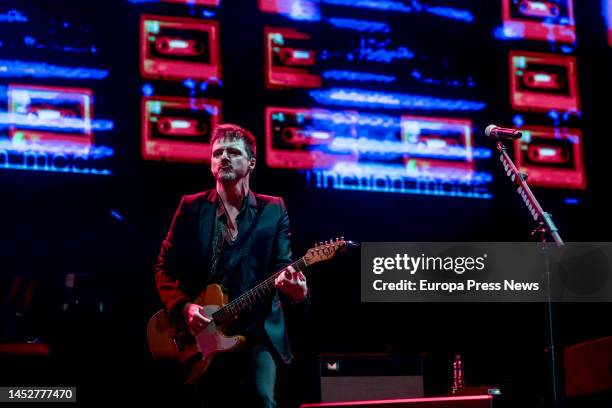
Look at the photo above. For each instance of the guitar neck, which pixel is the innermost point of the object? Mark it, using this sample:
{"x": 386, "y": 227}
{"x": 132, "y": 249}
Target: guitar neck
{"x": 245, "y": 301}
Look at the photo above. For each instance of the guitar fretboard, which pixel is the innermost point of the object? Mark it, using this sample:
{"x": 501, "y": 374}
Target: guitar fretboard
{"x": 245, "y": 301}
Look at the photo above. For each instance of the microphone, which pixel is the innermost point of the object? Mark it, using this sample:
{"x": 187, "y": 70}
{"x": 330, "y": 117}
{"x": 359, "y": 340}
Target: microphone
{"x": 496, "y": 132}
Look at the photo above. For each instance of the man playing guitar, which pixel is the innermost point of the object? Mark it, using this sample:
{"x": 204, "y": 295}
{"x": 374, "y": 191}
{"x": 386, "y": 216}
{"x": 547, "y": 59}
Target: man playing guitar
{"x": 235, "y": 238}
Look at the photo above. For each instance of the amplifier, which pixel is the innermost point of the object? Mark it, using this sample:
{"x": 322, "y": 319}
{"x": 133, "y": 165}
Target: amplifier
{"x": 350, "y": 377}
{"x": 588, "y": 367}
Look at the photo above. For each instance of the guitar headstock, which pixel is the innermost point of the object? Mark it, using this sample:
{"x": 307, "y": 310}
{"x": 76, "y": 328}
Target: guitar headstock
{"x": 326, "y": 250}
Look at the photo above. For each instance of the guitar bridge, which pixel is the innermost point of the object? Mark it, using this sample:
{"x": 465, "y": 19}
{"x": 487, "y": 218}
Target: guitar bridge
{"x": 182, "y": 340}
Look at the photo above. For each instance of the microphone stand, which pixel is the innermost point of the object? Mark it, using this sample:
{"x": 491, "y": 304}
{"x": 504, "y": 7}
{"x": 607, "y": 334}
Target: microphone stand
{"x": 545, "y": 226}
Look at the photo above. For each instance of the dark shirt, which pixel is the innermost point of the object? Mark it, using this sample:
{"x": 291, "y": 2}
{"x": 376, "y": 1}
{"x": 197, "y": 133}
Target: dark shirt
{"x": 227, "y": 255}
{"x": 224, "y": 248}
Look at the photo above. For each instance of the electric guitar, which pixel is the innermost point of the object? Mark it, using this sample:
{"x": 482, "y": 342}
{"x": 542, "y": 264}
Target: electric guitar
{"x": 171, "y": 340}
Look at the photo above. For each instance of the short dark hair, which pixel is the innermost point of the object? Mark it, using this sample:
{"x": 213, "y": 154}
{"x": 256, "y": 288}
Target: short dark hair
{"x": 233, "y": 132}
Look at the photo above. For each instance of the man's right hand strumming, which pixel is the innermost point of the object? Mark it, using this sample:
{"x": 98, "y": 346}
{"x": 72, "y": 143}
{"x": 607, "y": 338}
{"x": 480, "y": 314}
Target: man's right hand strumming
{"x": 195, "y": 317}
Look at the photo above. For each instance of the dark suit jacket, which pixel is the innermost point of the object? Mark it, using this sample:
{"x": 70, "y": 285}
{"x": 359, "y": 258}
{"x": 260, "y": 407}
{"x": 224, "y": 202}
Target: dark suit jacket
{"x": 182, "y": 268}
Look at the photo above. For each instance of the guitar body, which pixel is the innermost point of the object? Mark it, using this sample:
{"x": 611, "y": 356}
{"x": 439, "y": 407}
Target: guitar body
{"x": 170, "y": 340}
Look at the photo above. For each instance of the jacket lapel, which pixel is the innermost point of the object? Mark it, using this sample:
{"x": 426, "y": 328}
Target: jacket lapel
{"x": 207, "y": 222}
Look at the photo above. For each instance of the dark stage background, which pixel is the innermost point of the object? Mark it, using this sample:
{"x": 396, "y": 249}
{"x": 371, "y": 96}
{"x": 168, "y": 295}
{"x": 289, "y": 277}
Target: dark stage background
{"x": 106, "y": 230}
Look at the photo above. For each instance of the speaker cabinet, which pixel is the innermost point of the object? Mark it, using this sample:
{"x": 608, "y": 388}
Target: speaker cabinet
{"x": 350, "y": 377}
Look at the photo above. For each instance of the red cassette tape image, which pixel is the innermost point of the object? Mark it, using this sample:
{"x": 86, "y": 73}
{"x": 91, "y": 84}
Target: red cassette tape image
{"x": 541, "y": 82}
{"x": 439, "y": 144}
{"x": 551, "y": 157}
{"x": 178, "y": 129}
{"x": 549, "y": 20}
{"x": 50, "y": 114}
{"x": 179, "y": 48}
{"x": 301, "y": 138}
{"x": 289, "y": 60}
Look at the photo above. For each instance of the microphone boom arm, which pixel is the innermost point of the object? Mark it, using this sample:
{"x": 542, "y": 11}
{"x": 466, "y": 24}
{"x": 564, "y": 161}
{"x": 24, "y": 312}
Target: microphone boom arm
{"x": 526, "y": 194}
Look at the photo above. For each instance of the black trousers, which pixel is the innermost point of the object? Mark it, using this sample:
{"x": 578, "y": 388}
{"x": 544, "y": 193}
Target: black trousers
{"x": 245, "y": 377}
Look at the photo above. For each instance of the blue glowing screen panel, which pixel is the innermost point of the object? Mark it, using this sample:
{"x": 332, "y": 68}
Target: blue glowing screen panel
{"x": 393, "y": 106}
{"x": 388, "y": 111}
{"x": 51, "y": 129}
{"x": 50, "y": 74}
{"x": 360, "y": 95}
{"x": 375, "y": 152}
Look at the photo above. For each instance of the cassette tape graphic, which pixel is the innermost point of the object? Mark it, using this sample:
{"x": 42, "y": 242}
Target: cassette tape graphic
{"x": 546, "y": 20}
{"x": 551, "y": 157}
{"x": 179, "y": 48}
{"x": 300, "y": 138}
{"x": 289, "y": 59}
{"x": 178, "y": 129}
{"x": 541, "y": 82}
{"x": 438, "y": 144}
{"x": 46, "y": 114}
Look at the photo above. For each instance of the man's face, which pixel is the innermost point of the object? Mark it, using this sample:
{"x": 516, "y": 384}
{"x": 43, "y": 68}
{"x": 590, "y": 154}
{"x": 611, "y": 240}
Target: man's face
{"x": 230, "y": 160}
